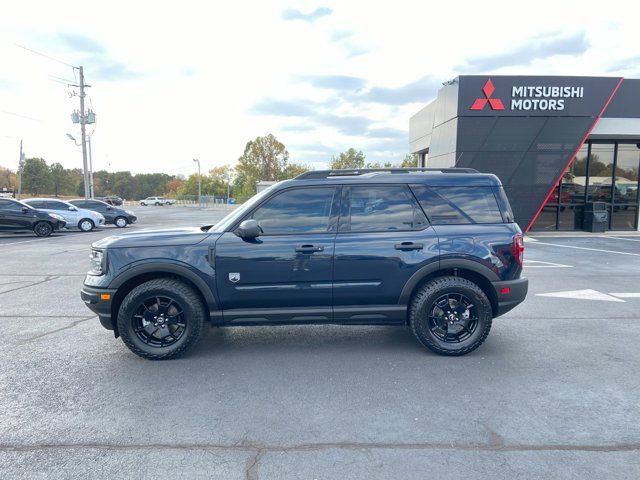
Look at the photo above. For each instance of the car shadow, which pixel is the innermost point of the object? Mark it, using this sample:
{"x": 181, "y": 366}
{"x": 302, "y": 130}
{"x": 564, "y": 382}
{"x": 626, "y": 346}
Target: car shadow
{"x": 326, "y": 339}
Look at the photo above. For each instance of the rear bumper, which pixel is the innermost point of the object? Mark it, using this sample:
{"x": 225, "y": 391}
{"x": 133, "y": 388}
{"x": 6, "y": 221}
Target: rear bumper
{"x": 510, "y": 294}
{"x": 95, "y": 299}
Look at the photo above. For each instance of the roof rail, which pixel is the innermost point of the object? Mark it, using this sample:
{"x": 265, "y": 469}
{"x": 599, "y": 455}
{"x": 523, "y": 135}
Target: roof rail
{"x": 318, "y": 174}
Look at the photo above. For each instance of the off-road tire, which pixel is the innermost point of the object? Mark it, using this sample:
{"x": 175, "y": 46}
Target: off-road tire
{"x": 188, "y": 300}
{"x": 423, "y": 301}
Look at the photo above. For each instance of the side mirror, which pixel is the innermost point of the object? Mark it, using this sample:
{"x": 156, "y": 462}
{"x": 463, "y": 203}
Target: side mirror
{"x": 109, "y": 207}
{"x": 24, "y": 210}
{"x": 249, "y": 229}
{"x": 73, "y": 209}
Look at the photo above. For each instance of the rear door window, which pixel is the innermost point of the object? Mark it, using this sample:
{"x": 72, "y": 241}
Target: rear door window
{"x": 458, "y": 205}
{"x": 381, "y": 208}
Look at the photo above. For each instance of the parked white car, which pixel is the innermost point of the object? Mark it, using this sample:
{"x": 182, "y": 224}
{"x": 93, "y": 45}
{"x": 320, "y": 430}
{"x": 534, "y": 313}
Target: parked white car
{"x": 84, "y": 220}
{"x": 158, "y": 201}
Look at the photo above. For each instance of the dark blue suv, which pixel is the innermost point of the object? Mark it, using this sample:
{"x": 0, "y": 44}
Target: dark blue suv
{"x": 437, "y": 250}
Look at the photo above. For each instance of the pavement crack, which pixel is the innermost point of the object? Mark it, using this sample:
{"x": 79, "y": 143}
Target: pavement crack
{"x": 66, "y": 327}
{"x": 495, "y": 439}
{"x": 252, "y": 464}
{"x": 258, "y": 450}
{"x": 48, "y": 278}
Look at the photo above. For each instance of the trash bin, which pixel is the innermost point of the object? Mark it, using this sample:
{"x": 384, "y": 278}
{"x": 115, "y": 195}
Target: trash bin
{"x": 596, "y": 217}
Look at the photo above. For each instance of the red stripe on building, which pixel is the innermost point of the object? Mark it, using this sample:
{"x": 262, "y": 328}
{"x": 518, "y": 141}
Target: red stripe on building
{"x": 572, "y": 158}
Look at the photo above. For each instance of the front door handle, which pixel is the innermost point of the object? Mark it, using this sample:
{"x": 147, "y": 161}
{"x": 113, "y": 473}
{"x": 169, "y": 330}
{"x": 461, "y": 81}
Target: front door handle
{"x": 406, "y": 246}
{"x": 309, "y": 248}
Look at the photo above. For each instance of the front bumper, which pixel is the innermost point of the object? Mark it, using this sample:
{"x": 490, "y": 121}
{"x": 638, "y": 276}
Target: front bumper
{"x": 60, "y": 225}
{"x": 132, "y": 219}
{"x": 510, "y": 294}
{"x": 98, "y": 300}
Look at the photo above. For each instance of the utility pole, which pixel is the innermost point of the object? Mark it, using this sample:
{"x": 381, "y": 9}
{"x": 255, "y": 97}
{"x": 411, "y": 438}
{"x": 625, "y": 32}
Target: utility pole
{"x": 20, "y": 171}
{"x": 90, "y": 167}
{"x": 83, "y": 129}
{"x": 199, "y": 183}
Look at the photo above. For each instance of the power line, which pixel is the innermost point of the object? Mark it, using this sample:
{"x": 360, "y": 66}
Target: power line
{"x": 45, "y": 55}
{"x": 21, "y": 116}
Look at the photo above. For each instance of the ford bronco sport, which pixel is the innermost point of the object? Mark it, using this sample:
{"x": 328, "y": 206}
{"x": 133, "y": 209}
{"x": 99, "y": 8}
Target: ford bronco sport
{"x": 435, "y": 249}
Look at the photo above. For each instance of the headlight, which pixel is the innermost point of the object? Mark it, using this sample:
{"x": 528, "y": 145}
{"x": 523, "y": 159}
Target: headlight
{"x": 98, "y": 262}
{"x": 57, "y": 217}
{"x": 129, "y": 212}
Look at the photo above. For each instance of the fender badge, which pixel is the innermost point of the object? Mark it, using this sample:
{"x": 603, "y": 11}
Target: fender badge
{"x": 234, "y": 277}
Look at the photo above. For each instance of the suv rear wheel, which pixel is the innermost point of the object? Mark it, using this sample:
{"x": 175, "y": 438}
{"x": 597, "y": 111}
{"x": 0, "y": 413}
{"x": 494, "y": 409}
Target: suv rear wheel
{"x": 161, "y": 319}
{"x": 451, "y": 316}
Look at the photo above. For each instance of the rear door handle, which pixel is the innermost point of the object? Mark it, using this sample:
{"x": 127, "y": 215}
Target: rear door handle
{"x": 309, "y": 248}
{"x": 405, "y": 246}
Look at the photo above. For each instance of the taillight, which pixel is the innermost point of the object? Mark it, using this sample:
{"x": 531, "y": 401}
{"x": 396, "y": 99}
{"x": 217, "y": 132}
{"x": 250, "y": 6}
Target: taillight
{"x": 518, "y": 248}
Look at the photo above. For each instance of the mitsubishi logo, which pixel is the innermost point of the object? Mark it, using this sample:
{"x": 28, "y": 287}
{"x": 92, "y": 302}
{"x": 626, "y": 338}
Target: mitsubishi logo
{"x": 494, "y": 103}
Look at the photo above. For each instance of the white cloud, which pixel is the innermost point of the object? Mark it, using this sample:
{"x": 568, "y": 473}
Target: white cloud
{"x": 174, "y": 81}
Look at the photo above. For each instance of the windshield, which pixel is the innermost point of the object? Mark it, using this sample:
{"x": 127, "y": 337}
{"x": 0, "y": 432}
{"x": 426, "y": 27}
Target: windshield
{"x": 228, "y": 220}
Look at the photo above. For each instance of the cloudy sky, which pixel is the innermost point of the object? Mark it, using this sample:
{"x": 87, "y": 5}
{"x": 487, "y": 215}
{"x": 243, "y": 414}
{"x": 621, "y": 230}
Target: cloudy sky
{"x": 171, "y": 81}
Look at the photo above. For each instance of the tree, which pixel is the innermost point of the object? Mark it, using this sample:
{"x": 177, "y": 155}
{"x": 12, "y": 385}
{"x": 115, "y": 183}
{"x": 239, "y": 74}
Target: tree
{"x": 36, "y": 177}
{"x": 410, "y": 160}
{"x": 61, "y": 181}
{"x": 264, "y": 158}
{"x": 293, "y": 170}
{"x": 172, "y": 187}
{"x": 378, "y": 165}
{"x": 349, "y": 159}
{"x": 150, "y": 184}
{"x": 123, "y": 185}
{"x": 221, "y": 178}
{"x": 8, "y": 179}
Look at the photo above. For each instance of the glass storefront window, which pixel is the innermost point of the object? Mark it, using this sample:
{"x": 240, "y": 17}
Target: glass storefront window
{"x": 600, "y": 172}
{"x": 571, "y": 217}
{"x": 626, "y": 181}
{"x": 591, "y": 177}
{"x": 547, "y": 219}
{"x": 624, "y": 217}
{"x": 574, "y": 181}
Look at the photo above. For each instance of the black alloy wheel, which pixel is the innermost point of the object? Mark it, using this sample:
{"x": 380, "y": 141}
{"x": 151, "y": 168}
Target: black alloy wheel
{"x": 450, "y": 315}
{"x": 159, "y": 321}
{"x": 453, "y": 318}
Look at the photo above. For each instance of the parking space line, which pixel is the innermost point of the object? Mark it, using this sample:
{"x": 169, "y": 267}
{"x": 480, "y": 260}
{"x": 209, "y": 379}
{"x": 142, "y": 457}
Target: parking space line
{"x": 541, "y": 264}
{"x": 626, "y": 295}
{"x": 627, "y": 239}
{"x": 31, "y": 241}
{"x": 587, "y": 248}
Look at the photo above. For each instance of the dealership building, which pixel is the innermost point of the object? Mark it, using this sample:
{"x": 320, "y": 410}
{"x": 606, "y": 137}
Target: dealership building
{"x": 562, "y": 146}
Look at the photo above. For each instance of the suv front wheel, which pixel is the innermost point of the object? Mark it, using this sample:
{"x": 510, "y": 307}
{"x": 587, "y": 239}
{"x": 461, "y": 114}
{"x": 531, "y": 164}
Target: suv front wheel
{"x": 450, "y": 316}
{"x": 161, "y": 319}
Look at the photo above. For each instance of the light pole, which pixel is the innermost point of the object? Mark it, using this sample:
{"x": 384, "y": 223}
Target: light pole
{"x": 199, "y": 183}
{"x": 71, "y": 137}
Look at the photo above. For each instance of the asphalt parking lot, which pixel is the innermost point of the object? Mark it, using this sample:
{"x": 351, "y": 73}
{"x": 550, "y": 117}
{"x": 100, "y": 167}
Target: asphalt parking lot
{"x": 553, "y": 393}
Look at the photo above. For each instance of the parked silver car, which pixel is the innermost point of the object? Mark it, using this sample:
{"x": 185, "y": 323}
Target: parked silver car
{"x": 84, "y": 220}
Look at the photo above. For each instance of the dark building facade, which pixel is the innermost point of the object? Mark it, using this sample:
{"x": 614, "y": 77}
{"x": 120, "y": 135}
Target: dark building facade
{"x": 558, "y": 144}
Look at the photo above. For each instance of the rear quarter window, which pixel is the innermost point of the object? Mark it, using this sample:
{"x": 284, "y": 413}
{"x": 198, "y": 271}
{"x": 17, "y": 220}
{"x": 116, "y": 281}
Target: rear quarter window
{"x": 458, "y": 205}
